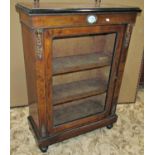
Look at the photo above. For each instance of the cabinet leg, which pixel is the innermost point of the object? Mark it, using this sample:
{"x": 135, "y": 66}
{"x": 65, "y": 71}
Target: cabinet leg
{"x": 109, "y": 126}
{"x": 43, "y": 148}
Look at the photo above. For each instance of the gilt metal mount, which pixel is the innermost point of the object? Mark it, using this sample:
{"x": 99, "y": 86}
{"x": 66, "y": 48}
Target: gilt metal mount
{"x": 39, "y": 43}
{"x": 128, "y": 35}
{"x": 97, "y": 3}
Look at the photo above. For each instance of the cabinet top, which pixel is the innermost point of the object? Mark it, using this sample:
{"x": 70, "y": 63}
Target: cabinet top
{"x": 51, "y": 8}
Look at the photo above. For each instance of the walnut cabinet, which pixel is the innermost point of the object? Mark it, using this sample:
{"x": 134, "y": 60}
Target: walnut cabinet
{"x": 74, "y": 59}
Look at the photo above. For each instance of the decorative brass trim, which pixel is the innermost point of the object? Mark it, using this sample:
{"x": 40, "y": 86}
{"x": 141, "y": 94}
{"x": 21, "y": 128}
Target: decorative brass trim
{"x": 39, "y": 44}
{"x": 128, "y": 35}
{"x": 36, "y": 4}
{"x": 97, "y": 3}
{"x": 36, "y": 1}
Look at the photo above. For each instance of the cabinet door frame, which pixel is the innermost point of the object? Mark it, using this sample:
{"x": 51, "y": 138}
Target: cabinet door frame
{"x": 49, "y": 34}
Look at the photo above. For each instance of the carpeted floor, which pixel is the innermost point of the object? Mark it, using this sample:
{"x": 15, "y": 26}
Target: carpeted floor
{"x": 125, "y": 138}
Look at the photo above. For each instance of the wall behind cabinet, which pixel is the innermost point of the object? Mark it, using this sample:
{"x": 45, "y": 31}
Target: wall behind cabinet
{"x": 132, "y": 67}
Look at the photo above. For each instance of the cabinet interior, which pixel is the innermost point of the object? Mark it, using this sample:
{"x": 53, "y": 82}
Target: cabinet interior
{"x": 81, "y": 71}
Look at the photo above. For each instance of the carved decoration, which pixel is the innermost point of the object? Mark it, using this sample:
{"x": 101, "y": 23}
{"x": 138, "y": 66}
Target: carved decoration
{"x": 39, "y": 44}
{"x": 128, "y": 35}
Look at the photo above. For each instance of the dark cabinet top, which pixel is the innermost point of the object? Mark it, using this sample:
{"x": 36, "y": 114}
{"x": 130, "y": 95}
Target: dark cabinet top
{"x": 51, "y": 8}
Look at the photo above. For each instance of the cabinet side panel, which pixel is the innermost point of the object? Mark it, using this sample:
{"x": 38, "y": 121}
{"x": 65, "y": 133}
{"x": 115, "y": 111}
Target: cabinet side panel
{"x": 29, "y": 58}
{"x": 122, "y": 60}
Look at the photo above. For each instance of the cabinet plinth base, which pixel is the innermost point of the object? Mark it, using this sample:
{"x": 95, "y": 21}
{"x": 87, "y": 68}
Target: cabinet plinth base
{"x": 43, "y": 143}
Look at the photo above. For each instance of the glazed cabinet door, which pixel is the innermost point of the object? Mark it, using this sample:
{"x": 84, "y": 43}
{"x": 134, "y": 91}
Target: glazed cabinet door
{"x": 81, "y": 73}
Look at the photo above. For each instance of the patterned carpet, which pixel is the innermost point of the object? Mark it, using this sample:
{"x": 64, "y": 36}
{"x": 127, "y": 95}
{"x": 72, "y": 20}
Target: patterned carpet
{"x": 125, "y": 138}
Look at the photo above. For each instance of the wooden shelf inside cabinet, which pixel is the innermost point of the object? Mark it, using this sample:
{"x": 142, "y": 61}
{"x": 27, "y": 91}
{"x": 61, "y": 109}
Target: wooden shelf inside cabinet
{"x": 78, "y": 89}
{"x": 79, "y": 109}
{"x": 79, "y": 62}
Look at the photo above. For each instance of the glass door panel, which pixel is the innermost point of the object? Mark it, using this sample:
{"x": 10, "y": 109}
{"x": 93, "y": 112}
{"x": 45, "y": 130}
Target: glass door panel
{"x": 81, "y": 71}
